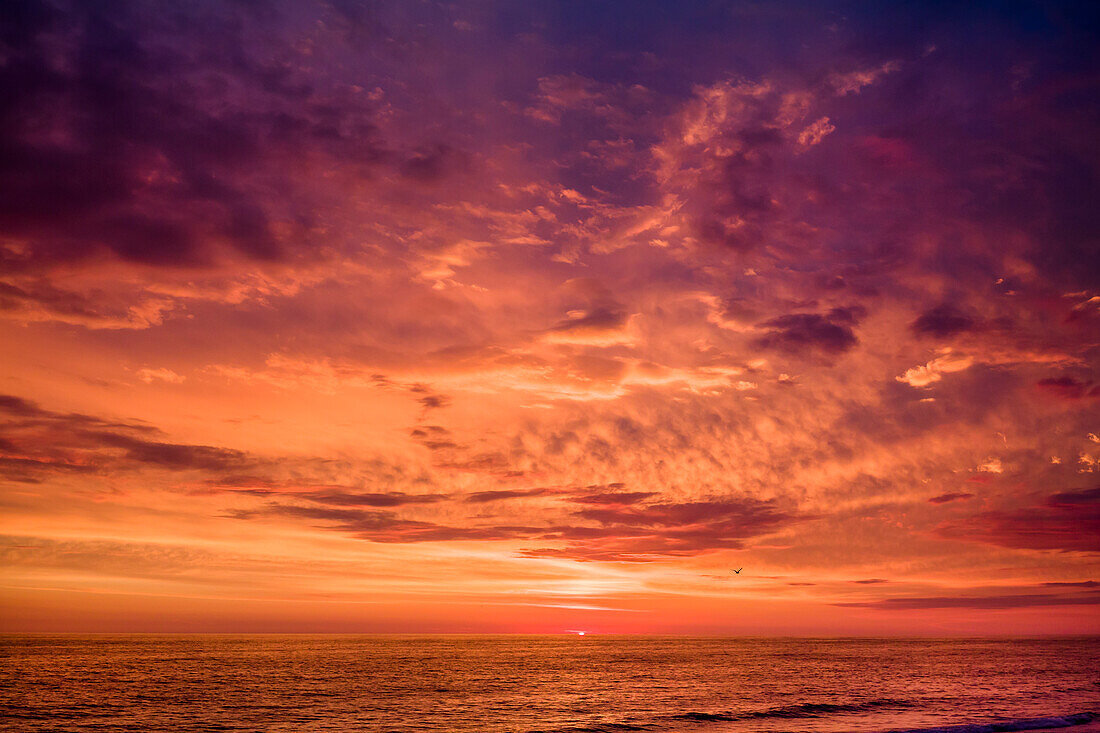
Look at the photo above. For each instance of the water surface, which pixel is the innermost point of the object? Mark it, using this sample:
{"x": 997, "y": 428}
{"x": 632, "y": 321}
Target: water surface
{"x": 493, "y": 684}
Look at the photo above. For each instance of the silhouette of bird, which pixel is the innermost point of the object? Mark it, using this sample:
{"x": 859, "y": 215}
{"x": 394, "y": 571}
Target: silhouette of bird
{"x": 737, "y": 571}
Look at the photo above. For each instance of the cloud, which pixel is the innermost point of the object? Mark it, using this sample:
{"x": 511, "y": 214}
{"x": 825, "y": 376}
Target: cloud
{"x": 1068, "y": 388}
{"x": 631, "y": 534}
{"x": 853, "y": 81}
{"x": 954, "y": 496}
{"x": 164, "y": 375}
{"x": 829, "y": 333}
{"x": 331, "y": 494}
{"x": 730, "y": 163}
{"x": 933, "y": 371}
{"x": 40, "y": 441}
{"x": 597, "y": 326}
{"x": 816, "y": 132}
{"x": 943, "y": 321}
{"x": 481, "y": 497}
{"x": 430, "y": 401}
{"x": 386, "y": 527}
{"x": 560, "y": 94}
{"x": 130, "y": 158}
{"x": 593, "y": 316}
{"x": 172, "y": 455}
{"x": 24, "y": 414}
{"x": 22, "y": 408}
{"x": 388, "y": 499}
{"x": 620, "y": 533}
{"x": 169, "y": 144}
{"x": 1075, "y": 499}
{"x": 618, "y": 498}
{"x": 175, "y": 564}
{"x": 1067, "y": 521}
{"x": 1031, "y": 600}
{"x": 556, "y": 94}
{"x": 35, "y": 301}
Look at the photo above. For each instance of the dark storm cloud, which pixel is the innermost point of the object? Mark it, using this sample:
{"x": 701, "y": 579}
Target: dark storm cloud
{"x": 13, "y": 405}
{"x": 1067, "y": 521}
{"x": 149, "y": 131}
{"x": 37, "y": 442}
{"x": 942, "y": 321}
{"x": 1075, "y": 499}
{"x": 1068, "y": 388}
{"x": 600, "y": 319}
{"x": 954, "y": 496}
{"x": 592, "y": 310}
{"x": 171, "y": 455}
{"x": 829, "y": 333}
{"x": 18, "y": 407}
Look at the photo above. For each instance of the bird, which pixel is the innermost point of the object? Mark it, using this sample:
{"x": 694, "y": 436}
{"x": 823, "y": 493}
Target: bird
{"x": 737, "y": 571}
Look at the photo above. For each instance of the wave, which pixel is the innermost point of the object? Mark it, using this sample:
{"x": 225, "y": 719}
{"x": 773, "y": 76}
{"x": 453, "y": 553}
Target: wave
{"x": 603, "y": 728}
{"x": 799, "y": 710}
{"x": 1006, "y": 726}
{"x": 814, "y": 710}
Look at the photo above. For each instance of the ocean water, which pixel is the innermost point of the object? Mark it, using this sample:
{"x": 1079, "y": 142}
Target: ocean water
{"x": 523, "y": 684}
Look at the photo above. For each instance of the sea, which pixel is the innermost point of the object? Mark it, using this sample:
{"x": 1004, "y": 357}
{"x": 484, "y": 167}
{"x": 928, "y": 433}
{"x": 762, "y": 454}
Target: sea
{"x": 549, "y": 684}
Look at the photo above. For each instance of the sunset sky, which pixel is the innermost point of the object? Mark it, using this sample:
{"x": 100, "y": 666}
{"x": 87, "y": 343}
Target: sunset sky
{"x": 542, "y": 316}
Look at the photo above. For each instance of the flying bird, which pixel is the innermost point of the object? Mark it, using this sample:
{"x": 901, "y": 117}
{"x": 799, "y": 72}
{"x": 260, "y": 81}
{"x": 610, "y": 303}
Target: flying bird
{"x": 737, "y": 571}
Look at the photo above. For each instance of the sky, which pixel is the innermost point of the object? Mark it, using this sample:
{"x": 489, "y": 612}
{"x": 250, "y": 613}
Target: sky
{"x": 495, "y": 317}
